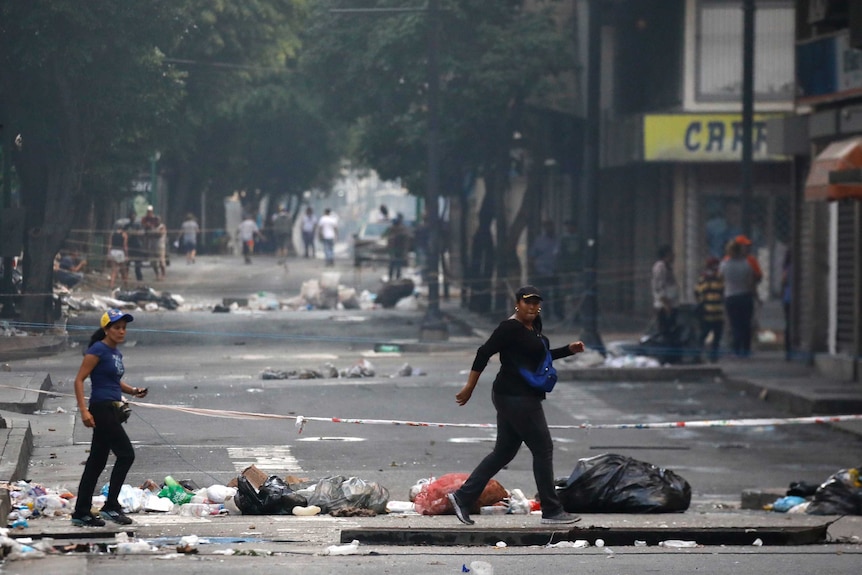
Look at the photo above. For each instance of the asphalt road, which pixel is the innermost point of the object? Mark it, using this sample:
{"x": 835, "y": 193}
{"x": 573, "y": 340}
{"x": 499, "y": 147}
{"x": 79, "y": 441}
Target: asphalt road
{"x": 215, "y": 361}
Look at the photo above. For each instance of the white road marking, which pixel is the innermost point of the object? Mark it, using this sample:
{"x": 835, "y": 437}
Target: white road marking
{"x": 331, "y": 438}
{"x": 266, "y": 457}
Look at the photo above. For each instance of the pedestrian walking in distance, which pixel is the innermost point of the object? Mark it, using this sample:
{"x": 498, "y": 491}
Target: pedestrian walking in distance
{"x": 103, "y": 364}
{"x": 520, "y": 416}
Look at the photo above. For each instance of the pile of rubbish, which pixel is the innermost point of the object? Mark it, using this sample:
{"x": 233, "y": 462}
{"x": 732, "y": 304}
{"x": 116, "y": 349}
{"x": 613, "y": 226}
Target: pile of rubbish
{"x": 250, "y": 493}
{"x": 606, "y": 483}
{"x": 145, "y": 298}
{"x": 362, "y": 368}
{"x": 840, "y": 494}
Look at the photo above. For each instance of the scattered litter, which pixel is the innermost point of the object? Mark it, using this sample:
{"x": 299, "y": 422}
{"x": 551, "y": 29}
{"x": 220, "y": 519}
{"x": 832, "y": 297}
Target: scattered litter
{"x": 432, "y": 498}
{"x": 757, "y": 542}
{"x": 678, "y": 544}
{"x": 362, "y": 368}
{"x": 785, "y": 504}
{"x": 481, "y": 568}
{"x": 600, "y": 543}
{"x": 349, "y": 549}
{"x": 577, "y": 544}
{"x": 306, "y": 511}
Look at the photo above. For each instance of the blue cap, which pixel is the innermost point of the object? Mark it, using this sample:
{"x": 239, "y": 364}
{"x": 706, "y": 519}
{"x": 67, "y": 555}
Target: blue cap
{"x": 114, "y": 315}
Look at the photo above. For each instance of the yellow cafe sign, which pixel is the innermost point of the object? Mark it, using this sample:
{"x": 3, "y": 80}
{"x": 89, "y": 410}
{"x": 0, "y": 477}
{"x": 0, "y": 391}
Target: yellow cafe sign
{"x": 701, "y": 138}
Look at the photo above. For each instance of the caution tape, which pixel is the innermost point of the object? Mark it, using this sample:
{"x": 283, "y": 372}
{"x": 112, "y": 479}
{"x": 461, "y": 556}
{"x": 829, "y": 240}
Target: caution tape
{"x": 301, "y": 419}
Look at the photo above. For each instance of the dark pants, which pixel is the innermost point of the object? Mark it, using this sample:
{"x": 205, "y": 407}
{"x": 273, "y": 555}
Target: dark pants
{"x": 108, "y": 436}
{"x": 138, "y": 267}
{"x": 308, "y": 243}
{"x": 716, "y": 328}
{"x": 395, "y": 265}
{"x": 519, "y": 420}
{"x": 740, "y": 309}
{"x": 666, "y": 323}
{"x": 247, "y": 250}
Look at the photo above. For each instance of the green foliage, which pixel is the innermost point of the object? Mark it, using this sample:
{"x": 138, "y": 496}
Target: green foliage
{"x": 372, "y": 69}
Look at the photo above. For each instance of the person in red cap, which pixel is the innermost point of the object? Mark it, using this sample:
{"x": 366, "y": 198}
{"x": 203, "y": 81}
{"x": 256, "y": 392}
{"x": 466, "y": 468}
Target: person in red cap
{"x": 743, "y": 241}
{"x": 520, "y": 417}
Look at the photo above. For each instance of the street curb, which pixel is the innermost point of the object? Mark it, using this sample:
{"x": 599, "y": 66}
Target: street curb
{"x": 32, "y": 346}
{"x": 16, "y": 448}
{"x": 617, "y": 536}
{"x": 792, "y": 401}
{"x": 32, "y": 399}
{"x": 668, "y": 373}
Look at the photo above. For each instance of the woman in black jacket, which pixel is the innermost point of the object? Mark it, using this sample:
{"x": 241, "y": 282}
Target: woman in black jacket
{"x": 520, "y": 417}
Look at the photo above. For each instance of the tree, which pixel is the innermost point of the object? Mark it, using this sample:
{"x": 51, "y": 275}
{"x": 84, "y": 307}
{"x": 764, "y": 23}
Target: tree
{"x": 248, "y": 121}
{"x": 79, "y": 82}
{"x": 495, "y": 58}
{"x": 95, "y": 88}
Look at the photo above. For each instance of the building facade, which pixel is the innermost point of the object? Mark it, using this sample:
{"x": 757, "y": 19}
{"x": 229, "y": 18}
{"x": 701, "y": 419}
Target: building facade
{"x": 672, "y": 141}
{"x": 825, "y": 136}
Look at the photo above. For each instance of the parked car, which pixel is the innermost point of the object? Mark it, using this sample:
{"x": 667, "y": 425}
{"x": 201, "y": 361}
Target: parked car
{"x": 369, "y": 243}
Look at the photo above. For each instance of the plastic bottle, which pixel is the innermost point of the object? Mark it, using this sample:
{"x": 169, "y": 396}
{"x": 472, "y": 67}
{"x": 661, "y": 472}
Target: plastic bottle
{"x": 493, "y": 510}
{"x": 199, "y": 509}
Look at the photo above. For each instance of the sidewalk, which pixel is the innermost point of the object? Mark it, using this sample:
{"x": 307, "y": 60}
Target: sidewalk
{"x": 796, "y": 388}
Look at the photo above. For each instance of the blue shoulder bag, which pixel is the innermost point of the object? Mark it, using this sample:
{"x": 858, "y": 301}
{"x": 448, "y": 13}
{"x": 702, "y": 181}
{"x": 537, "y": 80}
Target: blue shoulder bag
{"x": 545, "y": 376}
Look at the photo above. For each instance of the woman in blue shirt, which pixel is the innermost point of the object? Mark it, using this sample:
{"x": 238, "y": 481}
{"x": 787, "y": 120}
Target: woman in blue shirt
{"x": 103, "y": 364}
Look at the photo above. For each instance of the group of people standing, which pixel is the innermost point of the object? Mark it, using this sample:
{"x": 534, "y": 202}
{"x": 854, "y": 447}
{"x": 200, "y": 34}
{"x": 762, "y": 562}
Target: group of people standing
{"x": 133, "y": 241}
{"x": 726, "y": 288}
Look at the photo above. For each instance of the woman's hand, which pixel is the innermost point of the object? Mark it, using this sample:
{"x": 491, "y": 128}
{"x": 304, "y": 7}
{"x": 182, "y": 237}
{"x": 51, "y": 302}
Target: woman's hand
{"x": 463, "y": 396}
{"x": 87, "y": 418}
{"x": 576, "y": 347}
{"x": 139, "y": 392}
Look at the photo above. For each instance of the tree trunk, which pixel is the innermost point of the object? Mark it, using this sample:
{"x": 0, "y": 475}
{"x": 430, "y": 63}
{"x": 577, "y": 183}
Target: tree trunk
{"x": 482, "y": 259}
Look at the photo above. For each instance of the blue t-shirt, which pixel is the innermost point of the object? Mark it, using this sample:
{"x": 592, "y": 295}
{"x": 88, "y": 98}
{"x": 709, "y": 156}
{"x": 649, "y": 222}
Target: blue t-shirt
{"x": 105, "y": 377}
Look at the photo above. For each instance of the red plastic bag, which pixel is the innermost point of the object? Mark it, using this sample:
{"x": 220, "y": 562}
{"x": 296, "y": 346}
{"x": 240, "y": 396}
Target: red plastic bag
{"x": 432, "y": 500}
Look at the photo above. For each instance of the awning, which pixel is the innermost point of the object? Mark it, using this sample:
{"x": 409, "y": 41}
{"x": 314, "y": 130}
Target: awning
{"x": 838, "y": 156}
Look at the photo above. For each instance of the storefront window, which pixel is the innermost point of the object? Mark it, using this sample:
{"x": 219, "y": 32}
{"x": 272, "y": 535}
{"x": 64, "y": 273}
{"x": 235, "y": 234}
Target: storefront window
{"x": 719, "y": 51}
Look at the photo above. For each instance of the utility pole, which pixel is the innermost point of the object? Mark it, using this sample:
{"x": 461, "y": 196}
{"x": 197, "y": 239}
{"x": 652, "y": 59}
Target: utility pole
{"x": 7, "y": 289}
{"x": 748, "y": 11}
{"x": 589, "y": 205}
{"x": 433, "y": 327}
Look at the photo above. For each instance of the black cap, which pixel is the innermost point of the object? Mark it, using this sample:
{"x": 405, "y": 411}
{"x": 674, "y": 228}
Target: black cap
{"x": 526, "y": 292}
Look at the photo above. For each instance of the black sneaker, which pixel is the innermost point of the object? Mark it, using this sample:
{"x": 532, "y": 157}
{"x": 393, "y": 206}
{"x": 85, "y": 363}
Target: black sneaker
{"x": 88, "y": 520}
{"x": 560, "y": 518}
{"x": 462, "y": 512}
{"x": 116, "y": 516}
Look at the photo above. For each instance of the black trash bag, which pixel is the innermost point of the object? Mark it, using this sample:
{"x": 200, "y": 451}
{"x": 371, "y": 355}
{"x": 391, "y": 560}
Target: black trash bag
{"x": 841, "y": 494}
{"x": 246, "y": 498}
{"x": 277, "y": 498}
{"x": 390, "y": 292}
{"x": 273, "y": 498}
{"x": 611, "y": 483}
{"x": 802, "y": 489}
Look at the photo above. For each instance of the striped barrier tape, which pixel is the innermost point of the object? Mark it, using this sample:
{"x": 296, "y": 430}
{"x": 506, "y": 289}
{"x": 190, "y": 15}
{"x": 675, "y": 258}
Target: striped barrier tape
{"x": 301, "y": 420}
